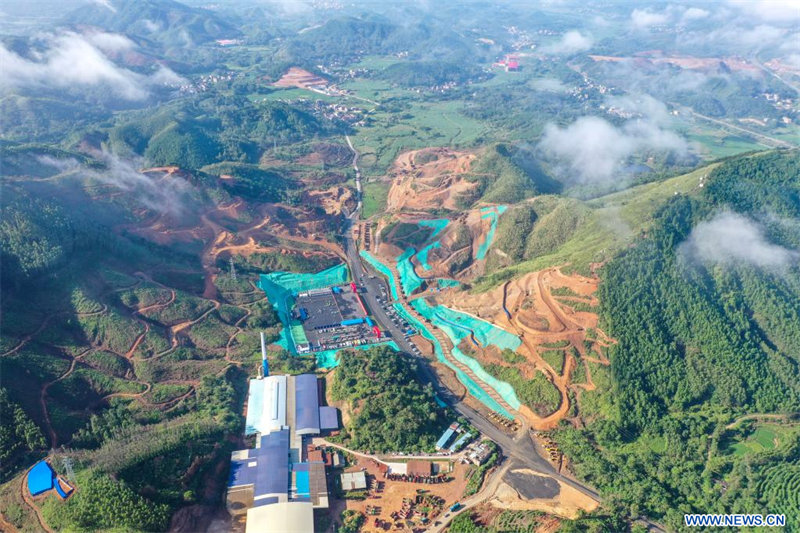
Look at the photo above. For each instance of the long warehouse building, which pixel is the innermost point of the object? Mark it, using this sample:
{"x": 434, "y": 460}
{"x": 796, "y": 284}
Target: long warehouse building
{"x": 276, "y": 484}
{"x": 306, "y": 404}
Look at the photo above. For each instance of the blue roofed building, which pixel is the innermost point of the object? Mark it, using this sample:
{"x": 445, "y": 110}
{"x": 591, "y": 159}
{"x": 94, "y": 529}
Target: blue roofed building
{"x": 306, "y": 402}
{"x": 260, "y": 476}
{"x": 459, "y": 442}
{"x": 328, "y": 418}
{"x": 441, "y": 444}
{"x": 283, "y": 412}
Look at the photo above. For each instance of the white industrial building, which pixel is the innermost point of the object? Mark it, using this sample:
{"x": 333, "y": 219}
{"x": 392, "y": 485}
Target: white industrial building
{"x": 287, "y": 517}
{"x": 266, "y": 407}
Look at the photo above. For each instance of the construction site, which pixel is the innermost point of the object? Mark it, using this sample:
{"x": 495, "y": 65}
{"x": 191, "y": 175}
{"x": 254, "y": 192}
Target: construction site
{"x": 405, "y": 494}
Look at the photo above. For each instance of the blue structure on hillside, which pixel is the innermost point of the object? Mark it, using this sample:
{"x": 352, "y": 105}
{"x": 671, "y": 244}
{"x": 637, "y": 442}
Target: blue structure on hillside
{"x": 41, "y": 478}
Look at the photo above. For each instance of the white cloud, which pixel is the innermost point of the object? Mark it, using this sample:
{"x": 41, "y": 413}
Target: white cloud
{"x": 74, "y": 61}
{"x": 551, "y": 85}
{"x": 791, "y": 43}
{"x": 793, "y": 60}
{"x": 738, "y": 36}
{"x": 644, "y": 18}
{"x": 759, "y": 35}
{"x": 644, "y": 104}
{"x": 694, "y": 13}
{"x": 110, "y": 42}
{"x": 571, "y": 42}
{"x": 592, "y": 150}
{"x": 151, "y": 26}
{"x": 729, "y": 238}
{"x": 778, "y": 11}
{"x": 167, "y": 194}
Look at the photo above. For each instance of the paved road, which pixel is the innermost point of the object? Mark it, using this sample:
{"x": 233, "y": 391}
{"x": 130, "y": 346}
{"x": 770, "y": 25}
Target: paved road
{"x": 521, "y": 449}
{"x": 358, "y": 175}
{"x": 489, "y": 488}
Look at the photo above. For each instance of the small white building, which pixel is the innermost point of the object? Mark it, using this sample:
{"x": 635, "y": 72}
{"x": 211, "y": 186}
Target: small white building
{"x": 354, "y": 480}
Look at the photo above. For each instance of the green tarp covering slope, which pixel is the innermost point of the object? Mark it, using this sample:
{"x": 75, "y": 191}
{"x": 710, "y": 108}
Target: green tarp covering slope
{"x": 485, "y": 333}
{"x": 473, "y": 388}
{"x": 409, "y": 279}
{"x": 492, "y": 213}
{"x": 438, "y": 225}
{"x": 281, "y": 289}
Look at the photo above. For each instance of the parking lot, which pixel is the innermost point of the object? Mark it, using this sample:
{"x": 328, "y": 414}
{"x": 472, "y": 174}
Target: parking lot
{"x": 323, "y": 314}
{"x": 400, "y": 324}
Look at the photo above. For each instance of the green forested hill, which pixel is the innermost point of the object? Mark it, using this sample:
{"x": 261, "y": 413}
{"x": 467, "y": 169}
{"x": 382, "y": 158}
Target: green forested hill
{"x": 700, "y": 341}
{"x": 224, "y": 128}
{"x": 170, "y": 23}
{"x": 429, "y": 73}
{"x": 507, "y": 174}
{"x": 391, "y": 409}
{"x": 32, "y": 240}
{"x": 350, "y": 36}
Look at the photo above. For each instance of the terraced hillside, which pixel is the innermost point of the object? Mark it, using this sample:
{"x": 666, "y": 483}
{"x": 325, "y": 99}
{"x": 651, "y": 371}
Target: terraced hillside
{"x": 122, "y": 330}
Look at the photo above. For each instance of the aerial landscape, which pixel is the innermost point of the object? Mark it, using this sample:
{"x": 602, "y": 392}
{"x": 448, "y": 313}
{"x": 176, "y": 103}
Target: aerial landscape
{"x": 290, "y": 266}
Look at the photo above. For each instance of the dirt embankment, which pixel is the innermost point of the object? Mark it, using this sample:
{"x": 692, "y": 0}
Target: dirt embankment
{"x": 432, "y": 178}
{"x": 547, "y": 311}
{"x": 452, "y": 254}
{"x": 568, "y": 503}
{"x": 298, "y": 77}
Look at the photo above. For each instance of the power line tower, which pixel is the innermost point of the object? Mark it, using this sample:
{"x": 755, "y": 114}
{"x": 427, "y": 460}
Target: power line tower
{"x": 233, "y": 269}
{"x": 70, "y": 474}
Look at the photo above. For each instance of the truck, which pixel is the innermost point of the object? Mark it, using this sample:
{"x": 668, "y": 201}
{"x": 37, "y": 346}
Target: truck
{"x": 455, "y": 507}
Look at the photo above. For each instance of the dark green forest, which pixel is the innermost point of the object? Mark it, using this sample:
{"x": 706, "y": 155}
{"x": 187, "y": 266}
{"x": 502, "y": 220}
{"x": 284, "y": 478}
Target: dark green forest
{"x": 391, "y": 410}
{"x": 127, "y": 339}
{"x": 699, "y": 344}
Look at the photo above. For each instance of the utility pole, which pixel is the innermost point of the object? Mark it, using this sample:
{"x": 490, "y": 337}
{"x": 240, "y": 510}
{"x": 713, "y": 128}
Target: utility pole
{"x": 68, "y": 468}
{"x": 233, "y": 269}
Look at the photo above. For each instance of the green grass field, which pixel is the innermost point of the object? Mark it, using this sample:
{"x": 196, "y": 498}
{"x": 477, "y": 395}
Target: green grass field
{"x": 421, "y": 124}
{"x": 610, "y": 224}
{"x": 375, "y": 196}
{"x": 717, "y": 143}
{"x": 766, "y": 437}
